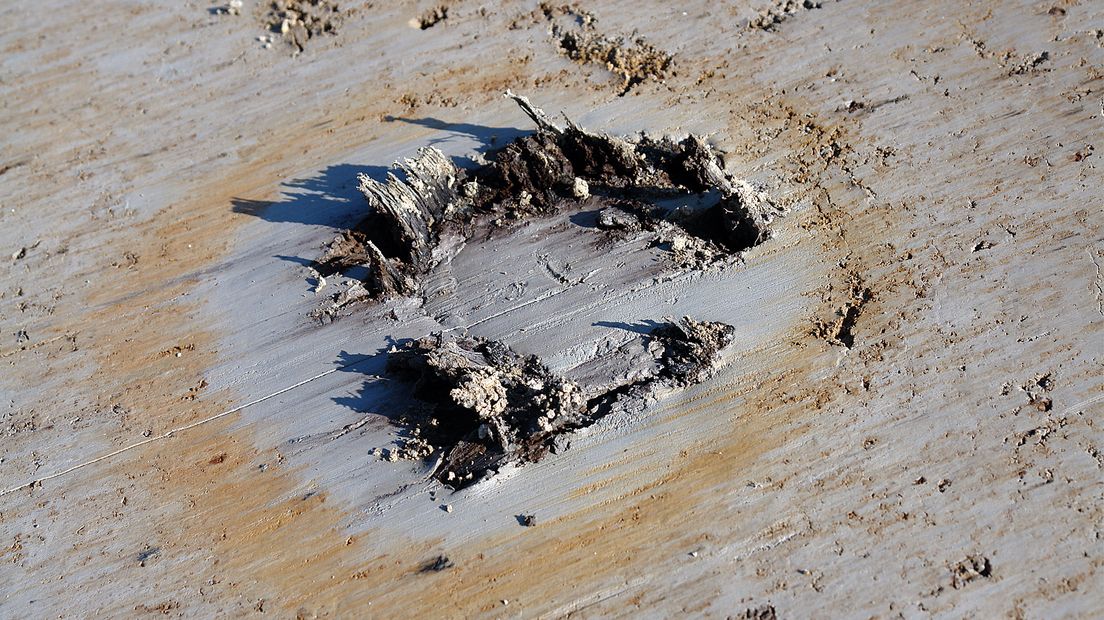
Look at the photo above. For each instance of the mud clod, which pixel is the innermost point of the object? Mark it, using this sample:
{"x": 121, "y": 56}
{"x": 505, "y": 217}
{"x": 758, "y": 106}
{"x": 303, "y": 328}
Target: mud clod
{"x": 550, "y": 11}
{"x": 1029, "y": 63}
{"x": 634, "y": 61}
{"x": 769, "y": 18}
{"x": 431, "y": 18}
{"x": 688, "y": 349}
{"x": 971, "y": 568}
{"x": 481, "y": 405}
{"x": 615, "y": 219}
{"x": 420, "y": 217}
{"x": 575, "y": 33}
{"x": 298, "y": 21}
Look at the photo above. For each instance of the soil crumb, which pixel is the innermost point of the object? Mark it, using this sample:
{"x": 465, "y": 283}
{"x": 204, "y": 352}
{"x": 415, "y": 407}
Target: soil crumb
{"x": 550, "y": 11}
{"x": 420, "y": 217}
{"x": 972, "y": 567}
{"x": 430, "y": 18}
{"x": 298, "y": 21}
{"x": 1029, "y": 63}
{"x": 481, "y": 405}
{"x": 633, "y": 61}
{"x": 231, "y": 8}
{"x": 781, "y": 10}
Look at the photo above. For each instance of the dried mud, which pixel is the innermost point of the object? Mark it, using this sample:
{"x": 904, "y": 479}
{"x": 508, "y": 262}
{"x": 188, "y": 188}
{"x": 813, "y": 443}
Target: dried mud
{"x": 769, "y": 18}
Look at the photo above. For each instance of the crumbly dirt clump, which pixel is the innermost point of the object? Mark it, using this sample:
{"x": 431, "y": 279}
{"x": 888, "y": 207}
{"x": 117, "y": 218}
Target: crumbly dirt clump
{"x": 298, "y": 21}
{"x": 781, "y": 10}
{"x": 971, "y": 568}
{"x": 574, "y": 31}
{"x": 431, "y": 17}
{"x": 634, "y": 61}
{"x": 418, "y": 221}
{"x": 481, "y": 405}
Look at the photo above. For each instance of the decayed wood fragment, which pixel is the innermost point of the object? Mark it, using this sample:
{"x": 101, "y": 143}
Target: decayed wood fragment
{"x": 553, "y": 170}
{"x": 486, "y": 405}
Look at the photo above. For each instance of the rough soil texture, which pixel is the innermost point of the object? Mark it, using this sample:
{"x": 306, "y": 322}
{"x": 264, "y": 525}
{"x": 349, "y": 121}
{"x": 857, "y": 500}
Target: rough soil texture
{"x": 907, "y": 422}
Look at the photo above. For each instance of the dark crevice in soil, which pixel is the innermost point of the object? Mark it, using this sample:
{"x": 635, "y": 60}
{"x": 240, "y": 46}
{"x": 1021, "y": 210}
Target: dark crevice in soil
{"x": 844, "y": 333}
{"x": 420, "y": 220}
{"x": 480, "y": 405}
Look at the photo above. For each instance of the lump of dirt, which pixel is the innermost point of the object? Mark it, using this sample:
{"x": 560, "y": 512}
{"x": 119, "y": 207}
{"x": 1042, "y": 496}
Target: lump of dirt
{"x": 633, "y": 61}
{"x": 689, "y": 350}
{"x": 298, "y": 21}
{"x": 418, "y": 222}
{"x": 481, "y": 405}
{"x": 430, "y": 18}
{"x": 231, "y": 8}
{"x": 769, "y": 18}
{"x": 970, "y": 568}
